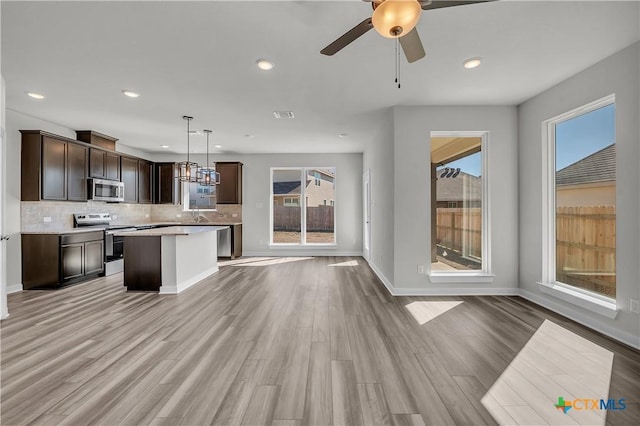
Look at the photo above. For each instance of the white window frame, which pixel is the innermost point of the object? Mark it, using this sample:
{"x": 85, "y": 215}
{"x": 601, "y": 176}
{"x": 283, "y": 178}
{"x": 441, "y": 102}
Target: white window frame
{"x": 483, "y": 275}
{"x": 303, "y": 207}
{"x": 592, "y": 301}
{"x": 185, "y": 200}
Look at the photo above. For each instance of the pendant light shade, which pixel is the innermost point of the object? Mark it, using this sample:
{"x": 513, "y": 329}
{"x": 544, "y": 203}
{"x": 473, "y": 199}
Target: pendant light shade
{"x": 395, "y": 18}
{"x": 187, "y": 170}
{"x": 207, "y": 175}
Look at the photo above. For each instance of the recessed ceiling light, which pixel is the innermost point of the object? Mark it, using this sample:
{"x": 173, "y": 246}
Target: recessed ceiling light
{"x": 35, "y": 95}
{"x": 264, "y": 64}
{"x": 130, "y": 94}
{"x": 217, "y": 146}
{"x": 343, "y": 135}
{"x": 472, "y": 62}
{"x": 164, "y": 146}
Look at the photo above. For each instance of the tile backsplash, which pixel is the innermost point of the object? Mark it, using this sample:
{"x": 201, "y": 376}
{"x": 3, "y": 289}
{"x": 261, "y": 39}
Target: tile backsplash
{"x": 61, "y": 213}
{"x": 226, "y": 213}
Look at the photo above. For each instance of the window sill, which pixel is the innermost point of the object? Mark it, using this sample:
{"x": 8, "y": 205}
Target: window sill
{"x": 293, "y": 246}
{"x": 605, "y": 307}
{"x": 461, "y": 277}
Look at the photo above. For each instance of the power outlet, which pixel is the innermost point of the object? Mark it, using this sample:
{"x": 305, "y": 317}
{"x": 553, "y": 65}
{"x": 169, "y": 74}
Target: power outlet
{"x": 420, "y": 269}
{"x": 114, "y": 216}
{"x": 47, "y": 219}
{"x": 234, "y": 214}
{"x": 178, "y": 215}
{"x": 146, "y": 216}
{"x": 634, "y": 306}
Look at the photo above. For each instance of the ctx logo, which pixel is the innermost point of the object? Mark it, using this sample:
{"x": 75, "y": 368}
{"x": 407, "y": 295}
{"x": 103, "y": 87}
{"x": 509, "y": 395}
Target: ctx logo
{"x": 590, "y": 404}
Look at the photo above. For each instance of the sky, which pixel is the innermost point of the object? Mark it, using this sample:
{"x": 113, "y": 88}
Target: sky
{"x": 576, "y": 139}
{"x": 581, "y": 136}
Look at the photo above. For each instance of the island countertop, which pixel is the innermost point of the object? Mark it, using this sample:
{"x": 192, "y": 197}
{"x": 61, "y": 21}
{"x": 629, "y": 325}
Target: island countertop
{"x": 169, "y": 231}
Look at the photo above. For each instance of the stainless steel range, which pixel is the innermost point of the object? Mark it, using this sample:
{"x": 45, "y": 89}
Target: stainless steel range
{"x": 113, "y": 250}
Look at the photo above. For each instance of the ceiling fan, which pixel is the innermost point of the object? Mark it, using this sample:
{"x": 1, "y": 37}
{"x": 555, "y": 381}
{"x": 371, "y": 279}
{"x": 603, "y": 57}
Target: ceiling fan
{"x": 395, "y": 19}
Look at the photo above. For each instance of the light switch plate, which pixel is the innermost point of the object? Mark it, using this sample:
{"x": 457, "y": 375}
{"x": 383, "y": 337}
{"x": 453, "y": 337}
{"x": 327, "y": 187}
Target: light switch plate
{"x": 634, "y": 306}
{"x": 178, "y": 215}
{"x": 114, "y": 216}
{"x": 234, "y": 214}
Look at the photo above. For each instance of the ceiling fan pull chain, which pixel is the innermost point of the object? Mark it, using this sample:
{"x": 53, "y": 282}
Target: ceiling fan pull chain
{"x": 398, "y": 62}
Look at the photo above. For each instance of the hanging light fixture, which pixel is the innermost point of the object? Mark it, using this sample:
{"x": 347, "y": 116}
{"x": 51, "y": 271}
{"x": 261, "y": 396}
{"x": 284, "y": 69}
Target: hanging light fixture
{"x": 187, "y": 170}
{"x": 207, "y": 175}
{"x": 395, "y": 18}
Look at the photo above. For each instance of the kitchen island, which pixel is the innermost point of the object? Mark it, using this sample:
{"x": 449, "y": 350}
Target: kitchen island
{"x": 169, "y": 260}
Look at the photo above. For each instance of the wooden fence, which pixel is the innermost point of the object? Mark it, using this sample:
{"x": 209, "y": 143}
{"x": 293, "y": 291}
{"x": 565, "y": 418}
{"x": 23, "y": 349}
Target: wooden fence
{"x": 456, "y": 224}
{"x": 319, "y": 219}
{"x": 585, "y": 243}
{"x": 586, "y": 247}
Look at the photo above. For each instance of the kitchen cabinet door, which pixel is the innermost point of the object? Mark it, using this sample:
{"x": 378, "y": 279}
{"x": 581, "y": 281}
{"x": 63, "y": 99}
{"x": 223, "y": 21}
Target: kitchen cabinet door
{"x": 113, "y": 166}
{"x": 97, "y": 163}
{"x": 129, "y": 174}
{"x": 230, "y": 189}
{"x": 93, "y": 257}
{"x": 166, "y": 186}
{"x": 54, "y": 169}
{"x": 145, "y": 189}
{"x": 72, "y": 261}
{"x": 76, "y": 172}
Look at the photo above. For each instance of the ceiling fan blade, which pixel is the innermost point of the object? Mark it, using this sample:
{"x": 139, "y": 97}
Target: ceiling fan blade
{"x": 412, "y": 46}
{"x": 347, "y": 37}
{"x": 439, "y": 4}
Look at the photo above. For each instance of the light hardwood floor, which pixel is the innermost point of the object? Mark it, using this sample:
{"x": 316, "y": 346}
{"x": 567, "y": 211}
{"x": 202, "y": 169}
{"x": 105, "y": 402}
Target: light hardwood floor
{"x": 295, "y": 341}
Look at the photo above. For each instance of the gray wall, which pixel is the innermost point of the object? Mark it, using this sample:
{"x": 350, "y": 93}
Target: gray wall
{"x": 617, "y": 74}
{"x": 256, "y": 193}
{"x": 378, "y": 159}
{"x": 412, "y": 213}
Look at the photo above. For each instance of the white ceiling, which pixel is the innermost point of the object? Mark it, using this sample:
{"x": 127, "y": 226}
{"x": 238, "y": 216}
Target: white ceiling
{"x": 198, "y": 58}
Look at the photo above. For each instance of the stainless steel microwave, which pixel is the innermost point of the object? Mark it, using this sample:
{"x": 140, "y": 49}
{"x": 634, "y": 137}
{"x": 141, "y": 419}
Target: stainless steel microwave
{"x": 106, "y": 190}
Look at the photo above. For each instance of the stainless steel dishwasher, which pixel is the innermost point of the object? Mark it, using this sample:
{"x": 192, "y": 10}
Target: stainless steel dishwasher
{"x": 224, "y": 242}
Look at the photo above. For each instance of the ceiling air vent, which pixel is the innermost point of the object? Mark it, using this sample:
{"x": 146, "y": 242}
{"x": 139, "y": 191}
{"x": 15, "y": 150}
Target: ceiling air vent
{"x": 283, "y": 114}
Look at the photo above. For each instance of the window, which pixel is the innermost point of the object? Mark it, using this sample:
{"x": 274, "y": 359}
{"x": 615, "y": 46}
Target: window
{"x": 198, "y": 197}
{"x": 299, "y": 211}
{"x": 581, "y": 205}
{"x": 459, "y": 221}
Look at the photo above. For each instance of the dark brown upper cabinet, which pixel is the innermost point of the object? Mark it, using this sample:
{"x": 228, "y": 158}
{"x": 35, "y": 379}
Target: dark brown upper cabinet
{"x": 97, "y": 139}
{"x": 129, "y": 174}
{"x": 166, "y": 187}
{"x": 52, "y": 168}
{"x": 145, "y": 182}
{"x": 104, "y": 164}
{"x": 76, "y": 172}
{"x": 230, "y": 189}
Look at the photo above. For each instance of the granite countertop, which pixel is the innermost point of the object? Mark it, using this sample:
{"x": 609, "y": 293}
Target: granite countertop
{"x": 170, "y": 231}
{"x": 55, "y": 230}
{"x": 59, "y": 230}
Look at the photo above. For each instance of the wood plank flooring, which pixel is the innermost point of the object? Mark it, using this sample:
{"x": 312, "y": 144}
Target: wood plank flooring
{"x": 297, "y": 341}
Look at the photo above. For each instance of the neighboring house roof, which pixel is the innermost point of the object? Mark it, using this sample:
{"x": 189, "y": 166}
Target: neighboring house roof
{"x": 283, "y": 188}
{"x": 597, "y": 167}
{"x": 452, "y": 189}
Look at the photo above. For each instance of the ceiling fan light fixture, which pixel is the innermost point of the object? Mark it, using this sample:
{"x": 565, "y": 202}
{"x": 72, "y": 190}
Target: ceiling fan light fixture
{"x": 395, "y": 18}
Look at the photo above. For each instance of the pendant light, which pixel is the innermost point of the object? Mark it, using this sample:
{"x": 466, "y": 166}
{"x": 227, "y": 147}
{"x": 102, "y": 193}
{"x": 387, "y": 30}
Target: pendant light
{"x": 187, "y": 170}
{"x": 207, "y": 175}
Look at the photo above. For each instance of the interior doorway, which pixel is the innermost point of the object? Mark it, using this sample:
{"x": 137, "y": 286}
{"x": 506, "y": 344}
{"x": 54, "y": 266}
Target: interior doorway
{"x": 366, "y": 192}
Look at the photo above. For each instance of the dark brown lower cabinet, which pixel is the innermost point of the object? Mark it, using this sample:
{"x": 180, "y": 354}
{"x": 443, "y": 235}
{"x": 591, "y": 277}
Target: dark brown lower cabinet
{"x": 51, "y": 261}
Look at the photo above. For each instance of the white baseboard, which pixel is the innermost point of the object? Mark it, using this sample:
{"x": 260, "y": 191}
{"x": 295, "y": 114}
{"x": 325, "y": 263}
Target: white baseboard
{"x": 456, "y": 291}
{"x": 182, "y": 286}
{"x": 381, "y": 277}
{"x": 586, "y": 320}
{"x": 301, "y": 252}
{"x": 14, "y": 288}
